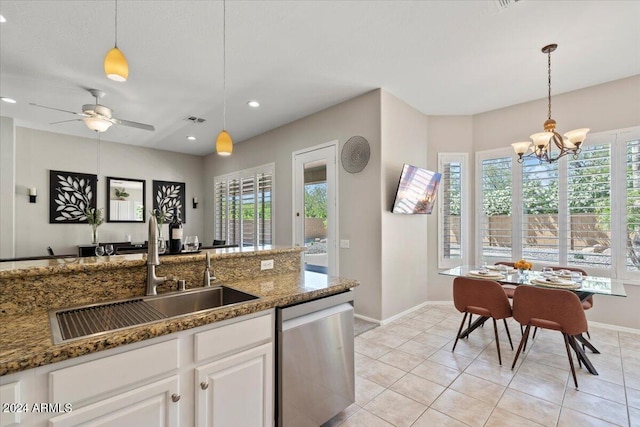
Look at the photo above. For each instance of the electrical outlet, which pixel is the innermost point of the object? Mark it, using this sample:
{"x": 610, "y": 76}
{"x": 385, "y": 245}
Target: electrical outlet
{"x": 266, "y": 264}
{"x": 344, "y": 244}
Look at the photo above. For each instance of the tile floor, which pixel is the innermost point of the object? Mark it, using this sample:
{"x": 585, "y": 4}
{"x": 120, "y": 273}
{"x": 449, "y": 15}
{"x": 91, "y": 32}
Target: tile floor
{"x": 406, "y": 375}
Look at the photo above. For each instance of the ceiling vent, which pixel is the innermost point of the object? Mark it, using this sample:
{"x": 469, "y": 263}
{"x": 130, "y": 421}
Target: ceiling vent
{"x": 194, "y": 119}
{"x": 503, "y": 4}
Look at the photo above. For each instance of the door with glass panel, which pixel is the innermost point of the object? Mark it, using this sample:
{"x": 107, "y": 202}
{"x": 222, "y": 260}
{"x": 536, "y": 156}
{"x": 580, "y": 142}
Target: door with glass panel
{"x": 315, "y": 207}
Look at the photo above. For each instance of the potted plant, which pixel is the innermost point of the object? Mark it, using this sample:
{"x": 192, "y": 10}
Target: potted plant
{"x": 161, "y": 217}
{"x": 95, "y": 219}
{"x": 121, "y": 193}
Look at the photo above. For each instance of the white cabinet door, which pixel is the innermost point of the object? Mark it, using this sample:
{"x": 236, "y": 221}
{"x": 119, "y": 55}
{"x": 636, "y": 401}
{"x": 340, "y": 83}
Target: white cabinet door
{"x": 236, "y": 390}
{"x": 149, "y": 405}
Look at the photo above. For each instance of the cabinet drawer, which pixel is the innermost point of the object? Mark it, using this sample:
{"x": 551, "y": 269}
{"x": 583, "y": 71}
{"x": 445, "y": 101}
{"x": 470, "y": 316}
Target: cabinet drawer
{"x": 10, "y": 394}
{"x": 233, "y": 337}
{"x": 87, "y": 380}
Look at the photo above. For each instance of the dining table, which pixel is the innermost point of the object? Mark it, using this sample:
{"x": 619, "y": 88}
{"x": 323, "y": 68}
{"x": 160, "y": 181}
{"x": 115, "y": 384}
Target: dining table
{"x": 584, "y": 287}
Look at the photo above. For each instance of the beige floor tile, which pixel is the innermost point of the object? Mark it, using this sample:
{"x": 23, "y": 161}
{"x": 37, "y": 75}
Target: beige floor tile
{"x": 444, "y": 330}
{"x": 571, "y": 418}
{"x": 436, "y": 372}
{"x": 633, "y": 397}
{"x": 380, "y": 373}
{"x": 366, "y": 390}
{"x": 418, "y": 389}
{"x": 597, "y": 386}
{"x": 614, "y": 376}
{"x": 418, "y": 349}
{"x": 467, "y": 409}
{"x": 550, "y": 391}
{"x": 586, "y": 403}
{"x": 363, "y": 418}
{"x": 634, "y": 415}
{"x": 544, "y": 372}
{"x": 395, "y": 408}
{"x": 479, "y": 388}
{"x": 495, "y": 373}
{"x": 529, "y": 407}
{"x": 452, "y": 360}
{"x": 401, "y": 360}
{"x": 433, "y": 418}
{"x": 502, "y": 418}
{"x": 468, "y": 347}
{"x": 343, "y": 415}
{"x": 434, "y": 340}
{"x": 404, "y": 331}
{"x": 371, "y": 349}
{"x": 416, "y": 324}
{"x": 390, "y": 339}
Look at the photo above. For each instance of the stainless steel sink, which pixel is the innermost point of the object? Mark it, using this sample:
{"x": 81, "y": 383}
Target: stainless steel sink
{"x": 94, "y": 319}
{"x": 177, "y": 304}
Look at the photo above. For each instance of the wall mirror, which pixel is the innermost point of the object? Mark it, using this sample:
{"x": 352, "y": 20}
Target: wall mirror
{"x": 125, "y": 199}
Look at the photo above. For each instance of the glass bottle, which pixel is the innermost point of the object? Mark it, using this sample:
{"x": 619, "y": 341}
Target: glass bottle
{"x": 175, "y": 233}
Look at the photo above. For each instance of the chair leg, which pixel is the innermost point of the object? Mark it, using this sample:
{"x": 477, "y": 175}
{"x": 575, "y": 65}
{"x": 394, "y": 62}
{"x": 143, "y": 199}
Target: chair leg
{"x": 573, "y": 369}
{"x": 508, "y": 334}
{"x": 522, "y": 341}
{"x": 495, "y": 332}
{"x": 574, "y": 344}
{"x": 534, "y": 332}
{"x": 469, "y": 327}
{"x": 459, "y": 331}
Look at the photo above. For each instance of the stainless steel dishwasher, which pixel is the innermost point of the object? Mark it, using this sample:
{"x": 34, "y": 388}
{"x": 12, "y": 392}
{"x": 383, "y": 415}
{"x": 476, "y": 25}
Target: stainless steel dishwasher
{"x": 315, "y": 373}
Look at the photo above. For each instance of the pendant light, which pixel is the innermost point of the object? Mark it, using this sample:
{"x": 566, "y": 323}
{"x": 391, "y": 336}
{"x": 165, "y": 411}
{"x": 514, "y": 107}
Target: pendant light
{"x": 115, "y": 64}
{"x": 224, "y": 143}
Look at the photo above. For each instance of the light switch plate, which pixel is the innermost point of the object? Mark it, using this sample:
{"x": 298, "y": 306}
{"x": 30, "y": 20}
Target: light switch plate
{"x": 344, "y": 244}
{"x": 266, "y": 264}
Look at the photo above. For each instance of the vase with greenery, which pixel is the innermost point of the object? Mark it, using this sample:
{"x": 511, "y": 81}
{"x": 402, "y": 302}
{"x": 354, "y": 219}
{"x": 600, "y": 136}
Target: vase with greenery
{"x": 161, "y": 217}
{"x": 121, "y": 193}
{"x": 95, "y": 220}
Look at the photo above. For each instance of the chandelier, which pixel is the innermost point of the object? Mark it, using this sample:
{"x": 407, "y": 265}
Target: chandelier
{"x": 542, "y": 149}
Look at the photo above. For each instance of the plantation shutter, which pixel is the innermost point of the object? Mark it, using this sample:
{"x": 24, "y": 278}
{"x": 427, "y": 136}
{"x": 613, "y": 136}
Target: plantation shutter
{"x": 540, "y": 211}
{"x": 589, "y": 202}
{"x": 632, "y": 205}
{"x": 248, "y": 211}
{"x": 451, "y": 211}
{"x": 495, "y": 225}
{"x": 265, "y": 183}
{"x": 221, "y": 212}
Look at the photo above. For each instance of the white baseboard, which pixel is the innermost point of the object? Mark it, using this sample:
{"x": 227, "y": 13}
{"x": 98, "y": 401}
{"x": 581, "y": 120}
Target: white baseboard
{"x": 392, "y": 318}
{"x": 366, "y": 319}
{"x": 615, "y": 327}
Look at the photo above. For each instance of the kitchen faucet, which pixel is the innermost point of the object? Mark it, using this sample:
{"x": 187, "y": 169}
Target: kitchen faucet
{"x": 208, "y": 272}
{"x": 153, "y": 259}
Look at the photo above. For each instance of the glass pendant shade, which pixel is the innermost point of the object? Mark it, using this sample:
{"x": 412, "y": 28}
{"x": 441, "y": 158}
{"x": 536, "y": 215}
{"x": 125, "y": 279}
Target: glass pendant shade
{"x": 521, "y": 147}
{"x": 116, "y": 66}
{"x": 97, "y": 124}
{"x": 224, "y": 144}
{"x": 576, "y": 136}
{"x": 541, "y": 139}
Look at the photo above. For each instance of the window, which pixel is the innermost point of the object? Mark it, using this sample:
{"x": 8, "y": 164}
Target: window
{"x": 495, "y": 223}
{"x": 243, "y": 207}
{"x": 582, "y": 211}
{"x": 453, "y": 211}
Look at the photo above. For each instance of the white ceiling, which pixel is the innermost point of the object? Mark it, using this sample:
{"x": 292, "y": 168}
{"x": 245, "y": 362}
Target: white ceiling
{"x": 297, "y": 58}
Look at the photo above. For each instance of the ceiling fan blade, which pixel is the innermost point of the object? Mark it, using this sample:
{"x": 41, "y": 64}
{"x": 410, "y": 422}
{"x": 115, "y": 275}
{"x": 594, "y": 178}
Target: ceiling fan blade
{"x": 58, "y": 109}
{"x": 132, "y": 124}
{"x": 65, "y": 121}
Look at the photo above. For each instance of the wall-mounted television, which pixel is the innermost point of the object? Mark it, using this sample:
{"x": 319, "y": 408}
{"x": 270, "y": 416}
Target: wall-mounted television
{"x": 417, "y": 191}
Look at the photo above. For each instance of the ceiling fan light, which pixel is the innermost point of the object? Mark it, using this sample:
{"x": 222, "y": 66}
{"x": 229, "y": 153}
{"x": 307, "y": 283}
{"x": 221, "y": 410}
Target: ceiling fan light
{"x": 97, "y": 124}
{"x": 576, "y": 136}
{"x": 116, "y": 66}
{"x": 224, "y": 144}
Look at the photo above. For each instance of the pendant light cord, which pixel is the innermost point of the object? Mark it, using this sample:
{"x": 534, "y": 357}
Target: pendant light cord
{"x": 224, "y": 65}
{"x": 116, "y": 23}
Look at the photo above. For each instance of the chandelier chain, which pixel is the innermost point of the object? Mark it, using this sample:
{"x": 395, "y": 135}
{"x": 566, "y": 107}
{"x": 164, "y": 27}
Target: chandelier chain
{"x": 224, "y": 65}
{"x": 116, "y": 23}
{"x": 549, "y": 80}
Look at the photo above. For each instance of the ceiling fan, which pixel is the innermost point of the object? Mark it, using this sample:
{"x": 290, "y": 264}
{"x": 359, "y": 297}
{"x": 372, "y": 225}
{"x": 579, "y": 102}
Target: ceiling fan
{"x": 98, "y": 117}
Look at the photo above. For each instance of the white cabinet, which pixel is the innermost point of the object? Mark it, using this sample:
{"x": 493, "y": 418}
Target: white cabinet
{"x": 154, "y": 404}
{"x": 236, "y": 390}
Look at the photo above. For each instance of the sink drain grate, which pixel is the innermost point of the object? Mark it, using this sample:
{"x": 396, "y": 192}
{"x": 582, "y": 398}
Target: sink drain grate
{"x": 101, "y": 318}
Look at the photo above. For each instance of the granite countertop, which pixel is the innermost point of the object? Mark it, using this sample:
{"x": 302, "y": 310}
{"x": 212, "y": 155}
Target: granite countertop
{"x": 25, "y": 341}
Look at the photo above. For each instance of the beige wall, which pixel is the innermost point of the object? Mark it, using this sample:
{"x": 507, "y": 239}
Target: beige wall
{"x": 605, "y": 107}
{"x": 404, "y": 237}
{"x": 359, "y": 203}
{"x": 7, "y": 185}
{"x": 37, "y": 152}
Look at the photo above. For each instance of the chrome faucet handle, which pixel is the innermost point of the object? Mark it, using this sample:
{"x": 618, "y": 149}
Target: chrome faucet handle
{"x": 207, "y": 276}
{"x": 208, "y": 260}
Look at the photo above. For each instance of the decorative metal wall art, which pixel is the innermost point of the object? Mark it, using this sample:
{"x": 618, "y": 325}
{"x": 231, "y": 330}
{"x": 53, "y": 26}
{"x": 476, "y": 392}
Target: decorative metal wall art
{"x": 168, "y": 195}
{"x": 70, "y": 194}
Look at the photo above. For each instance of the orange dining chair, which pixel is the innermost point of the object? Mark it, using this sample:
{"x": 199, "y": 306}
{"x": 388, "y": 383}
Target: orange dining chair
{"x": 555, "y": 309}
{"x": 484, "y": 298}
{"x": 587, "y": 303}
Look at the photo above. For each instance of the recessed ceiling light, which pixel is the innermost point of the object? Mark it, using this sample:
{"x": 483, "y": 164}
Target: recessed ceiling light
{"x": 191, "y": 138}
{"x": 7, "y": 100}
{"x": 3, "y": 19}
{"x": 254, "y": 104}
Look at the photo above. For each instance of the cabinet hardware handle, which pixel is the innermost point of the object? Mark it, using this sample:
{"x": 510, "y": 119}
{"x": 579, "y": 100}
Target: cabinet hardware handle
{"x": 204, "y": 385}
{"x": 175, "y": 397}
